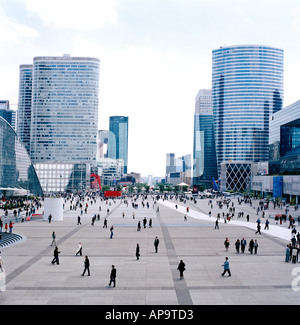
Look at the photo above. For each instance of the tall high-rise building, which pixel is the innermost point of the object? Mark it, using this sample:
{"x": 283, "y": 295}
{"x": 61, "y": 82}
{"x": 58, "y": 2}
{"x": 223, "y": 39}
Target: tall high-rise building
{"x": 64, "y": 109}
{"x": 204, "y": 151}
{"x": 8, "y": 114}
{"x": 24, "y": 104}
{"x": 247, "y": 86}
{"x": 118, "y": 125}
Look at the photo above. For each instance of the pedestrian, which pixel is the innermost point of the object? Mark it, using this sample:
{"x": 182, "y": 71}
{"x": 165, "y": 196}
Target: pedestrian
{"x": 251, "y": 246}
{"x": 53, "y": 239}
{"x": 55, "y": 253}
{"x": 287, "y": 253}
{"x": 217, "y": 224}
{"x": 86, "y": 266}
{"x": 113, "y": 275}
{"x": 105, "y": 223}
{"x": 255, "y": 246}
{"x": 267, "y": 224}
{"x": 139, "y": 226}
{"x": 258, "y": 229}
{"x": 295, "y": 254}
{"x": 237, "y": 245}
{"x": 243, "y": 245}
{"x": 137, "y": 251}
{"x": 50, "y": 218}
{"x": 111, "y": 232}
{"x": 226, "y": 267}
{"x": 156, "y": 242}
{"x": 181, "y": 269}
{"x": 79, "y": 250}
{"x": 226, "y": 244}
{"x": 78, "y": 220}
{"x": 1, "y": 263}
{"x": 144, "y": 222}
{"x": 10, "y": 227}
{"x": 150, "y": 223}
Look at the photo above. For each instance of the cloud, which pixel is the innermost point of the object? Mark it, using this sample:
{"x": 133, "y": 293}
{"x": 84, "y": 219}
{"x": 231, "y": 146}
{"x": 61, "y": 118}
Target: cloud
{"x": 75, "y": 14}
{"x": 295, "y": 22}
{"x": 12, "y": 32}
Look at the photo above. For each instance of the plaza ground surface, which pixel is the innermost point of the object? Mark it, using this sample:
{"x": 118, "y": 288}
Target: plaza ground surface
{"x": 264, "y": 278}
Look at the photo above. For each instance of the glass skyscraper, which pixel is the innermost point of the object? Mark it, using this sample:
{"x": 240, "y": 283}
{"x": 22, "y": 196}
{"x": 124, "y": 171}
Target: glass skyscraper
{"x": 204, "y": 152}
{"x": 247, "y": 86}
{"x": 284, "y": 131}
{"x": 118, "y": 125}
{"x": 16, "y": 168}
{"x": 24, "y": 104}
{"x": 64, "y": 109}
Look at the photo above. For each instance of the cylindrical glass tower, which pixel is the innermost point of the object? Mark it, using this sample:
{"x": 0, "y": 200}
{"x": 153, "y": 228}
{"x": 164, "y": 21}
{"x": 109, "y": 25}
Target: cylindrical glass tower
{"x": 64, "y": 112}
{"x": 247, "y": 86}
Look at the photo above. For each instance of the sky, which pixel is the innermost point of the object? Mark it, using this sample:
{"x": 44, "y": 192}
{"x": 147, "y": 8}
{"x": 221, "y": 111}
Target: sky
{"x": 155, "y": 56}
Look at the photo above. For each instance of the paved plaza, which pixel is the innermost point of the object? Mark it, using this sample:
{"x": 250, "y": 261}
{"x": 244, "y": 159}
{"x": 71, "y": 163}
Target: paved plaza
{"x": 262, "y": 278}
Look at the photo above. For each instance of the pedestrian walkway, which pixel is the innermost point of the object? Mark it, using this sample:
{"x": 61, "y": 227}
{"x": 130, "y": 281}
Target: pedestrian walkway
{"x": 31, "y": 279}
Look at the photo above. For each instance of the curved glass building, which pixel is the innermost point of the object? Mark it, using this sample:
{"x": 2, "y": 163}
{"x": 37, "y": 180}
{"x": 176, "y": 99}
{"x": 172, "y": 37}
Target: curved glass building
{"x": 16, "y": 168}
{"x": 64, "y": 111}
{"x": 247, "y": 86}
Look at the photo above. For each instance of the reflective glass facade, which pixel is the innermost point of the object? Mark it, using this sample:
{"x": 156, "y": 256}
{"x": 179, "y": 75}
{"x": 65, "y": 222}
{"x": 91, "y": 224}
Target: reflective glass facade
{"x": 16, "y": 169}
{"x": 24, "y": 104}
{"x": 204, "y": 152}
{"x": 284, "y": 131}
{"x": 63, "y": 177}
{"x": 118, "y": 125}
{"x": 247, "y": 87}
{"x": 64, "y": 117}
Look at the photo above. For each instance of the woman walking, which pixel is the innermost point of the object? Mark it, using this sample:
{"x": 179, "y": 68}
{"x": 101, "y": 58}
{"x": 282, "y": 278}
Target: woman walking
{"x": 137, "y": 251}
{"x": 181, "y": 269}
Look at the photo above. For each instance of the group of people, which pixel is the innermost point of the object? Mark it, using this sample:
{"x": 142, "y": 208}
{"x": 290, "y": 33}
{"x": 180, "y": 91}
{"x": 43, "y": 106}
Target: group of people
{"x": 241, "y": 245}
{"x": 7, "y": 226}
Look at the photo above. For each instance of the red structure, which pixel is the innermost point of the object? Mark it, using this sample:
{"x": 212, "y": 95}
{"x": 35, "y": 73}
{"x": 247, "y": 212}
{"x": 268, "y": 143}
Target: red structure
{"x": 98, "y": 180}
{"x": 112, "y": 193}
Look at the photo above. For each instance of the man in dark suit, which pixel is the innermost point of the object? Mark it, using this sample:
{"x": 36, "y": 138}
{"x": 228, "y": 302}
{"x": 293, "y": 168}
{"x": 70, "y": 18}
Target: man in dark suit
{"x": 86, "y": 266}
{"x": 113, "y": 275}
{"x": 156, "y": 242}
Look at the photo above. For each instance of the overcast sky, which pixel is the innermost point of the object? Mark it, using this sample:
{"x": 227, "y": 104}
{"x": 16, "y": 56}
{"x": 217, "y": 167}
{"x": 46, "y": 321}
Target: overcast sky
{"x": 155, "y": 56}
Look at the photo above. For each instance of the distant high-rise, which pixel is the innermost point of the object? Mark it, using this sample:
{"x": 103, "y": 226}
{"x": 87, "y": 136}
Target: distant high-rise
{"x": 8, "y": 114}
{"x": 247, "y": 86}
{"x": 24, "y": 104}
{"x": 118, "y": 149}
{"x": 204, "y": 153}
{"x": 64, "y": 109}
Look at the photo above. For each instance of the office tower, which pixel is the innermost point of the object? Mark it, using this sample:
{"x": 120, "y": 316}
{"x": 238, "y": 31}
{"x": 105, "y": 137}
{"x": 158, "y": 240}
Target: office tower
{"x": 178, "y": 170}
{"x": 106, "y": 139}
{"x": 16, "y": 169}
{"x": 118, "y": 125}
{"x": 284, "y": 131}
{"x": 64, "y": 110}
{"x": 8, "y": 114}
{"x": 170, "y": 163}
{"x": 24, "y": 104}
{"x": 204, "y": 151}
{"x": 247, "y": 86}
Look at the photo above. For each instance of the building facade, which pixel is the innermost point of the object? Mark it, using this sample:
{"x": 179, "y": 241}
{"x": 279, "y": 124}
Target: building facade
{"x": 64, "y": 110}
{"x": 284, "y": 131}
{"x": 16, "y": 168}
{"x": 118, "y": 125}
{"x": 8, "y": 114}
{"x": 247, "y": 87}
{"x": 204, "y": 151}
{"x": 24, "y": 104}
